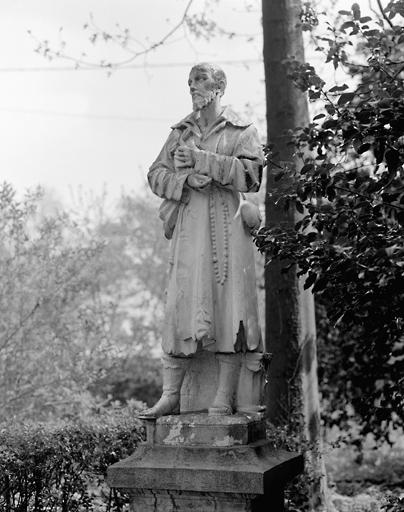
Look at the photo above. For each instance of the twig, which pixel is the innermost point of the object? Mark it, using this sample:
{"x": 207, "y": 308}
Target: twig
{"x": 162, "y": 40}
{"x": 372, "y": 8}
{"x": 398, "y": 72}
{"x": 21, "y": 324}
{"x": 379, "y": 3}
{"x": 110, "y": 65}
{"x": 354, "y": 193}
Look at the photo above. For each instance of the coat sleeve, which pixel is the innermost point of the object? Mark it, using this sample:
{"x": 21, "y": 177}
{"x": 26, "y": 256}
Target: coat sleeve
{"x": 163, "y": 179}
{"x": 243, "y": 171}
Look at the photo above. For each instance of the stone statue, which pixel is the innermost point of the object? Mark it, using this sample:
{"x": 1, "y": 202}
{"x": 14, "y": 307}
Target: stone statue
{"x": 211, "y": 158}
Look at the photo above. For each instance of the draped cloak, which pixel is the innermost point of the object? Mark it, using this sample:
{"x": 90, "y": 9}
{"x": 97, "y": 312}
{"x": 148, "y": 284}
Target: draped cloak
{"x": 211, "y": 295}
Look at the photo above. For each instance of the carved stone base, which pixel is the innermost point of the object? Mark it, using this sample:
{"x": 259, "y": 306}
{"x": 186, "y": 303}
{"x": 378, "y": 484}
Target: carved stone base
{"x": 196, "y": 462}
{"x": 186, "y": 501}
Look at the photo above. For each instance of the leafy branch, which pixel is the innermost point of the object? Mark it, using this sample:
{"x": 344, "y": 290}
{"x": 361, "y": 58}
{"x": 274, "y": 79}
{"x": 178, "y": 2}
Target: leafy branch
{"x": 344, "y": 189}
{"x": 379, "y": 3}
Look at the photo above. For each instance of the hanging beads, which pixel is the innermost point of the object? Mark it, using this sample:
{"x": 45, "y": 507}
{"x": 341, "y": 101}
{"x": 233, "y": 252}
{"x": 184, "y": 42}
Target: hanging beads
{"x": 220, "y": 276}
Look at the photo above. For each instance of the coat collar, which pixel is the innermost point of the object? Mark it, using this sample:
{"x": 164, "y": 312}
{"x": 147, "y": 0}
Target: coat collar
{"x": 228, "y": 116}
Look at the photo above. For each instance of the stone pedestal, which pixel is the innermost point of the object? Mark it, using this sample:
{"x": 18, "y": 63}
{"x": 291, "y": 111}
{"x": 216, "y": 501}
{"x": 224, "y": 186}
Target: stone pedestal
{"x": 202, "y": 463}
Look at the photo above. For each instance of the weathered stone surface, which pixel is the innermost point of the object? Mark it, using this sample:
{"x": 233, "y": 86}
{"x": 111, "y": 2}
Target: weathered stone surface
{"x": 178, "y": 501}
{"x": 239, "y": 469}
{"x": 204, "y": 430}
{"x": 201, "y": 381}
{"x": 197, "y": 462}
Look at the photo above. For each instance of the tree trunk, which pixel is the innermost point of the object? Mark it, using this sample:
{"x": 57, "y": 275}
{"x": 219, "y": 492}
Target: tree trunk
{"x": 290, "y": 322}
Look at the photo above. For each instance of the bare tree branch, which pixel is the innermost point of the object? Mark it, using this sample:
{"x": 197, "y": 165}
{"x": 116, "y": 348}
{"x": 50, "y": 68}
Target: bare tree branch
{"x": 46, "y": 51}
{"x": 376, "y": 13}
{"x": 19, "y": 326}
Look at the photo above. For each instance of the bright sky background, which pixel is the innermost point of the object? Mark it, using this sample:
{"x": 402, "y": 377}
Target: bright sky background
{"x": 71, "y": 129}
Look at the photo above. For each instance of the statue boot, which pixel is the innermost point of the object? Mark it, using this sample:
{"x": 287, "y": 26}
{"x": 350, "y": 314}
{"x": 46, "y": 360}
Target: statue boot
{"x": 174, "y": 369}
{"x": 229, "y": 367}
{"x": 252, "y": 377}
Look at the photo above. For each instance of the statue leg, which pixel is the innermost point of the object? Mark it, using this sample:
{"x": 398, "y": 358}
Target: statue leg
{"x": 174, "y": 369}
{"x": 252, "y": 380}
{"x": 229, "y": 367}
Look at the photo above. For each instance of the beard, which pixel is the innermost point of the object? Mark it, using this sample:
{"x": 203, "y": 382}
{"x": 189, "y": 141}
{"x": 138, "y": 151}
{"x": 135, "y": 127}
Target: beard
{"x": 202, "y": 100}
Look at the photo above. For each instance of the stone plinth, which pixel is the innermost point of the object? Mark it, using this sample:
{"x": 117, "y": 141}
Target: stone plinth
{"x": 202, "y": 463}
{"x": 200, "y": 429}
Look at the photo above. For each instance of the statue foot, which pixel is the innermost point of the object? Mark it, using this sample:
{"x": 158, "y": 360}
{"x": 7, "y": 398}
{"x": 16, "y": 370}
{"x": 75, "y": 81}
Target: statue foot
{"x": 166, "y": 405}
{"x": 174, "y": 369}
{"x": 229, "y": 365}
{"x": 251, "y": 409}
{"x": 224, "y": 410}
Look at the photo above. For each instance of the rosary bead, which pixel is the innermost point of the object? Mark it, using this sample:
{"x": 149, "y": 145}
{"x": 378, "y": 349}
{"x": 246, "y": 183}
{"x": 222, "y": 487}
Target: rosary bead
{"x": 220, "y": 279}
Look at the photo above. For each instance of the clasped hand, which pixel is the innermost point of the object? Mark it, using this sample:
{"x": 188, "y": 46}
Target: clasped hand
{"x": 185, "y": 158}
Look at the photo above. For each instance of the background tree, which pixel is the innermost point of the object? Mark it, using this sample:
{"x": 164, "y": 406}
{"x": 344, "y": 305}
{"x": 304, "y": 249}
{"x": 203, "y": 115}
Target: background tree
{"x": 290, "y": 321}
{"x": 349, "y": 240}
{"x": 45, "y": 328}
{"x": 81, "y": 297}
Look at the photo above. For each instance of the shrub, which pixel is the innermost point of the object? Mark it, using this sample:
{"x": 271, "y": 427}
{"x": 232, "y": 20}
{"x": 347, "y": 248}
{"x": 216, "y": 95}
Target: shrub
{"x": 131, "y": 378}
{"x": 62, "y": 466}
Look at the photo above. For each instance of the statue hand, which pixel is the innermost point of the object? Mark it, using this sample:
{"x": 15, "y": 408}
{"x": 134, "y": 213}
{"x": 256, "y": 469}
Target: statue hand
{"x": 184, "y": 156}
{"x": 198, "y": 181}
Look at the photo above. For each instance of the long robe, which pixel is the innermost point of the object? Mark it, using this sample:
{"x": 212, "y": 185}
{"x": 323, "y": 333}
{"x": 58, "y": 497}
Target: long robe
{"x": 211, "y": 296}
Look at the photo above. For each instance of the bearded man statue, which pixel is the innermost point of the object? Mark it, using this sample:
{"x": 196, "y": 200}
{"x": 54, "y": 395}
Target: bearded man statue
{"x": 211, "y": 158}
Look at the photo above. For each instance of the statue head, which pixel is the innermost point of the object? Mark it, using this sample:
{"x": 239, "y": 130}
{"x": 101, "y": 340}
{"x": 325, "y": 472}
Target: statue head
{"x": 207, "y": 83}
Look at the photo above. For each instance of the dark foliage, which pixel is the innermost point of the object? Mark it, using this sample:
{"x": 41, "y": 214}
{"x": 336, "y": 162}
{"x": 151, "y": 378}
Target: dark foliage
{"x": 394, "y": 504}
{"x": 62, "y": 467}
{"x": 288, "y": 438}
{"x": 132, "y": 378}
{"x": 347, "y": 186}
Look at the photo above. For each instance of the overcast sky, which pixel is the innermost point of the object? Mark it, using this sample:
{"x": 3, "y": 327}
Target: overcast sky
{"x": 67, "y": 129}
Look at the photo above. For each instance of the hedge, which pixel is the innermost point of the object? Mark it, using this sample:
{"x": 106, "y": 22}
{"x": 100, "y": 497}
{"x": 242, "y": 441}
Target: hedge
{"x": 61, "y": 466}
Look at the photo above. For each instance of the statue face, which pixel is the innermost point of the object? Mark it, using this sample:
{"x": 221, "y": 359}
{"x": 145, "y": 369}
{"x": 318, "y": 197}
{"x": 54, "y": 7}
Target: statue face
{"x": 203, "y": 88}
